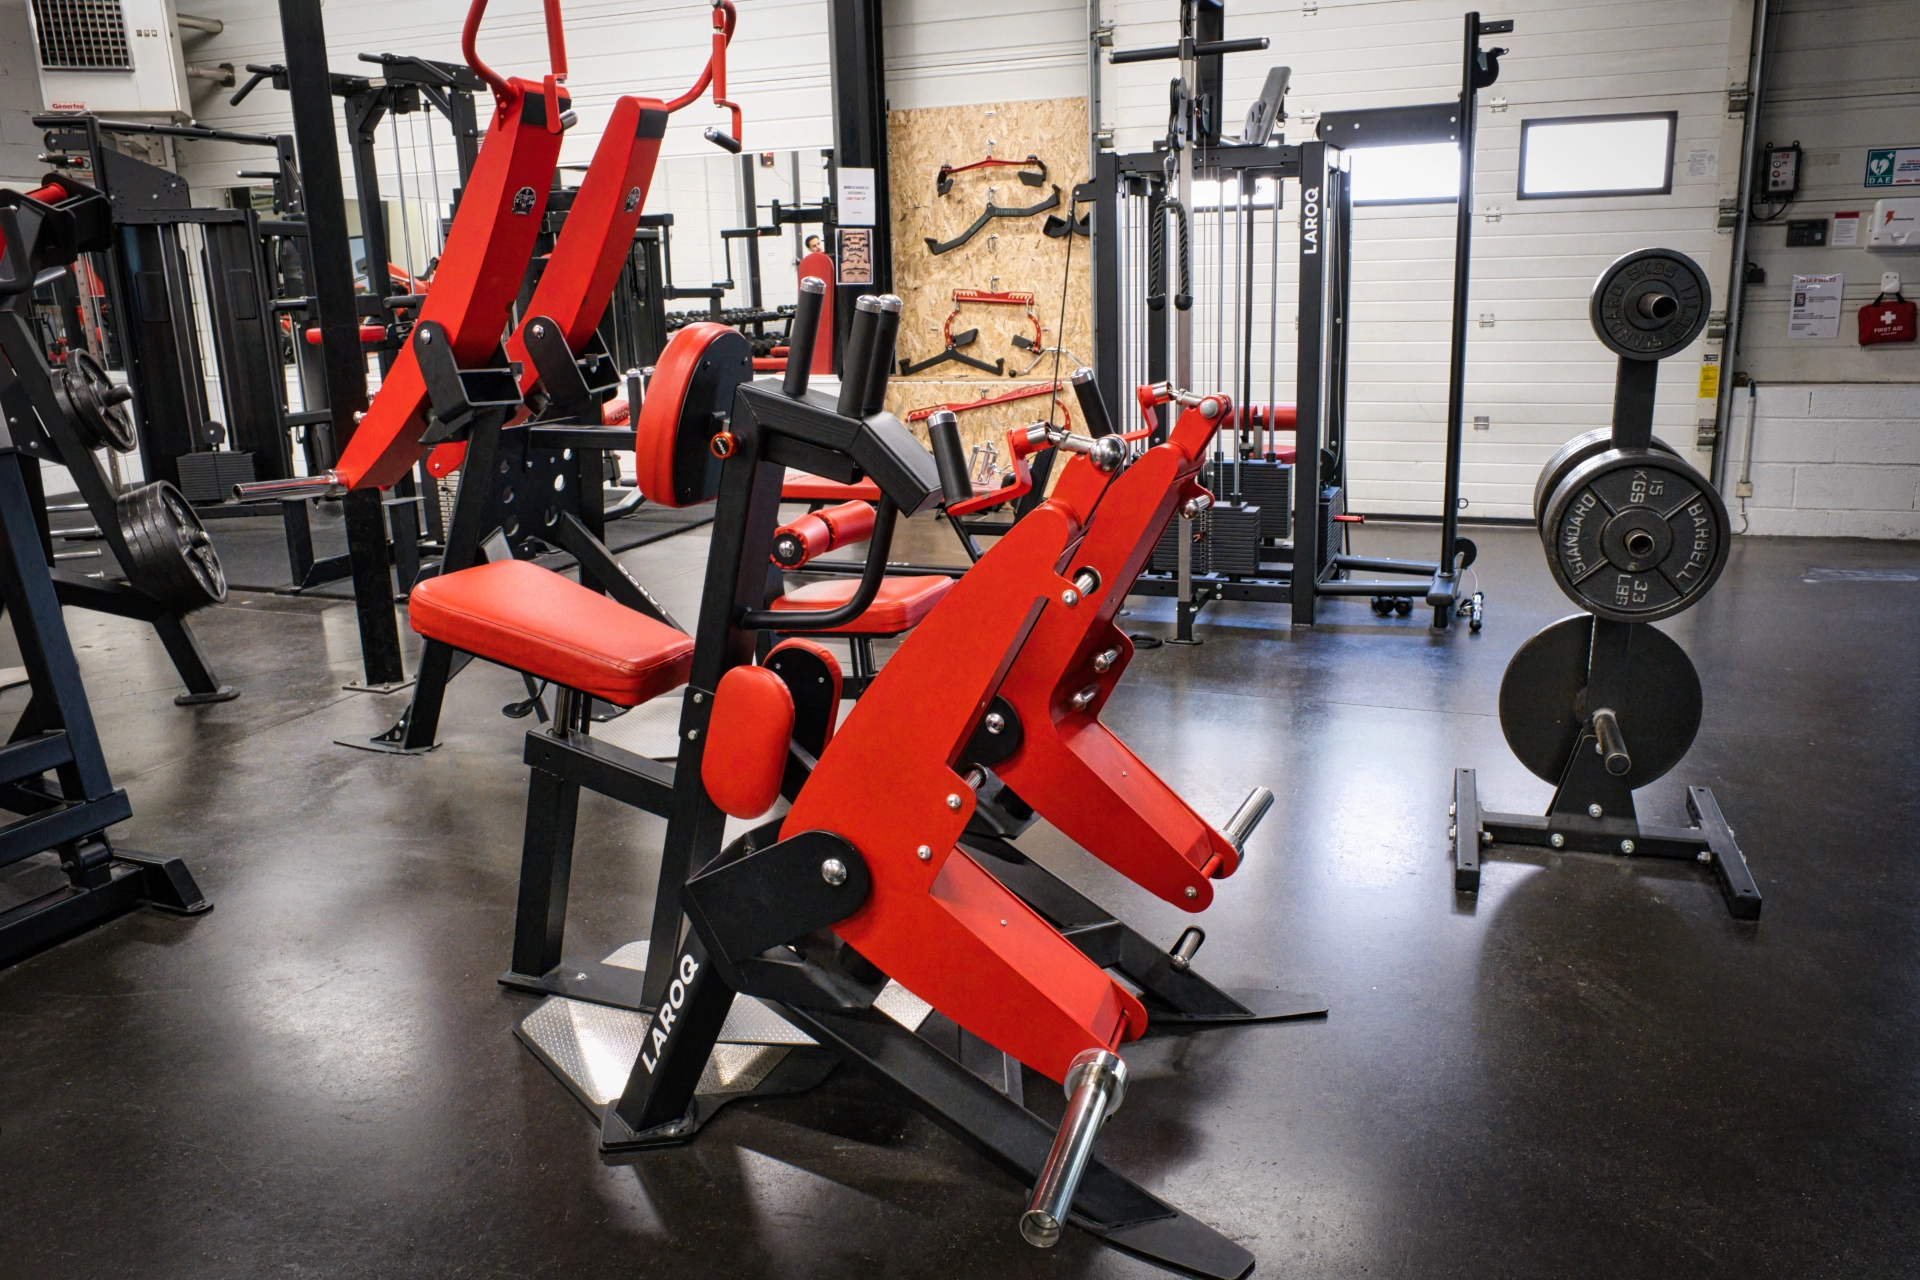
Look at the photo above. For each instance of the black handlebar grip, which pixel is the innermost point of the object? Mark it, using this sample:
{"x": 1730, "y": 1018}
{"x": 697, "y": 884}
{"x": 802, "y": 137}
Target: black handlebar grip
{"x": 886, "y": 334}
{"x": 1157, "y": 261}
{"x": 859, "y": 354}
{"x": 801, "y": 335}
{"x": 949, "y": 456}
{"x": 1183, "y": 299}
{"x": 1093, "y": 406}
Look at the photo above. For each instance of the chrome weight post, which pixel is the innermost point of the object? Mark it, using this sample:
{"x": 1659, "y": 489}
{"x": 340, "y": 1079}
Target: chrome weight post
{"x": 1601, "y": 704}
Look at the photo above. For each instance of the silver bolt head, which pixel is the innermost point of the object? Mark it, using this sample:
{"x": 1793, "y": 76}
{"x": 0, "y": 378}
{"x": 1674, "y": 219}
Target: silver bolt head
{"x": 953, "y": 802}
{"x": 924, "y": 853}
{"x": 1192, "y": 892}
{"x": 1486, "y": 837}
{"x": 1557, "y": 840}
{"x": 834, "y": 872}
{"x": 539, "y": 331}
{"x": 1703, "y": 856}
{"x": 1626, "y": 846}
{"x": 1594, "y": 811}
{"x": 1069, "y": 597}
{"x": 1453, "y": 833}
{"x": 996, "y": 722}
{"x": 1103, "y": 662}
{"x": 692, "y": 734}
{"x": 1452, "y": 809}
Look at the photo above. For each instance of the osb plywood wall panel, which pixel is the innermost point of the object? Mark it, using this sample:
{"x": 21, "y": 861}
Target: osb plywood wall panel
{"x": 1009, "y": 255}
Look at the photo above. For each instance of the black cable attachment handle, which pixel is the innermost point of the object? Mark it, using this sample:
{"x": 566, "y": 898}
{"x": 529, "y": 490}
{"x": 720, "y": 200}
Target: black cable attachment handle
{"x": 1093, "y": 407}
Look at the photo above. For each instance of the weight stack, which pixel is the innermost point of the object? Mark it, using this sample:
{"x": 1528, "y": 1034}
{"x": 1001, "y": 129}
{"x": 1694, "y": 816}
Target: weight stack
{"x": 1233, "y": 539}
{"x": 1263, "y": 484}
{"x": 1166, "y": 552}
{"x": 210, "y": 477}
{"x": 1331, "y": 504}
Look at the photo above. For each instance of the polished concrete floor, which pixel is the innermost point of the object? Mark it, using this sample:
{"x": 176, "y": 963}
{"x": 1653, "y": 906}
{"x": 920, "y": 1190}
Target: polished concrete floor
{"x": 1590, "y": 1071}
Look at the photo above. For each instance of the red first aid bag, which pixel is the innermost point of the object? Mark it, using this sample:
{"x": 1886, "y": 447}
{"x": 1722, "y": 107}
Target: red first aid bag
{"x": 1888, "y": 321}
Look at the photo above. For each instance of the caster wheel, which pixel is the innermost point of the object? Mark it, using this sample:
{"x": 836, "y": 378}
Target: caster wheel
{"x": 1403, "y": 607}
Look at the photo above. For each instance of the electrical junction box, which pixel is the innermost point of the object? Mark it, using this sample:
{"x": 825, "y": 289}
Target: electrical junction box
{"x": 1782, "y": 172}
{"x": 1805, "y": 233}
{"x": 1896, "y": 225}
{"x": 111, "y": 57}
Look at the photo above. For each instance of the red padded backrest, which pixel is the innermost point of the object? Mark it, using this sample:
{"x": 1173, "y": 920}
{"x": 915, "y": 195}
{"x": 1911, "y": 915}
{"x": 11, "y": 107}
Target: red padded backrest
{"x": 820, "y": 267}
{"x": 747, "y": 737}
{"x": 694, "y": 378}
{"x": 485, "y": 259}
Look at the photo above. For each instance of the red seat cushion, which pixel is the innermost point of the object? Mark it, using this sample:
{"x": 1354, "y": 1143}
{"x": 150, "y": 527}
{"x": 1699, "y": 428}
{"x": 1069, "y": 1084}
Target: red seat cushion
{"x": 902, "y": 602}
{"x": 533, "y": 620}
{"x": 801, "y": 487}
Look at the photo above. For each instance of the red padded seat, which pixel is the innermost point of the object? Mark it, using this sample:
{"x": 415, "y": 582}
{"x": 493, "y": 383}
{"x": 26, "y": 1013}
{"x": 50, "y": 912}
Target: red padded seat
{"x": 533, "y": 620}
{"x": 902, "y": 602}
{"x": 801, "y": 487}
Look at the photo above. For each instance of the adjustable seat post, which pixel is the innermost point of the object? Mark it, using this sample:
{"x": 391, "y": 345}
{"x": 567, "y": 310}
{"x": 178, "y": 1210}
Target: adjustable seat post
{"x": 802, "y": 334}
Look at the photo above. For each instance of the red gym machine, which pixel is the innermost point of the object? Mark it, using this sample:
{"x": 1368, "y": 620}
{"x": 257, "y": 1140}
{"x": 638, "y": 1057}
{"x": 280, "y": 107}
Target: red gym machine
{"x": 523, "y": 422}
{"x": 893, "y": 871}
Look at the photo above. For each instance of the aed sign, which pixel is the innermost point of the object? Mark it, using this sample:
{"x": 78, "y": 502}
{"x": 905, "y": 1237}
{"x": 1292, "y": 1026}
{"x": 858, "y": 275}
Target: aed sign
{"x": 1893, "y": 167}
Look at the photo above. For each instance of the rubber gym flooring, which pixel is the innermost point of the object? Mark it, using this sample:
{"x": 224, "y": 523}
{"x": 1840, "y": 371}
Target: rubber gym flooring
{"x": 1590, "y": 1071}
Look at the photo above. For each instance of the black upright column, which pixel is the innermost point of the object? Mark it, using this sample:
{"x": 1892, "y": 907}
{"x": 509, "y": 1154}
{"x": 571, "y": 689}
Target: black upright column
{"x": 860, "y": 135}
{"x": 310, "y": 93}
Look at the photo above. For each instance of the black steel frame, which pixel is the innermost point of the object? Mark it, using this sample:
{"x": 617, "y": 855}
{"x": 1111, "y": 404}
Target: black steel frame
{"x": 71, "y": 813}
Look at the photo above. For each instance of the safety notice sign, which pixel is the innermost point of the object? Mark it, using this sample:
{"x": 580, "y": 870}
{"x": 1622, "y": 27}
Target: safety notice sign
{"x": 1893, "y": 167}
{"x": 1815, "y": 312}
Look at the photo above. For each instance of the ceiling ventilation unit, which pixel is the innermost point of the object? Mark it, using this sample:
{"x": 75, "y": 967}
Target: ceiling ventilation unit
{"x": 118, "y": 58}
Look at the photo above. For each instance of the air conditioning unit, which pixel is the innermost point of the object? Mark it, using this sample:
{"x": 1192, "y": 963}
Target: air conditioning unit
{"x": 111, "y": 57}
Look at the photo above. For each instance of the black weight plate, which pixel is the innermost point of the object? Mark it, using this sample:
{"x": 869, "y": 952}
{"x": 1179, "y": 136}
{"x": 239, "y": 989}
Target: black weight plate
{"x": 96, "y": 406}
{"x": 1543, "y": 701}
{"x": 1650, "y": 304}
{"x": 169, "y": 554}
{"x": 1635, "y": 536}
{"x": 1466, "y": 551}
{"x": 1572, "y": 454}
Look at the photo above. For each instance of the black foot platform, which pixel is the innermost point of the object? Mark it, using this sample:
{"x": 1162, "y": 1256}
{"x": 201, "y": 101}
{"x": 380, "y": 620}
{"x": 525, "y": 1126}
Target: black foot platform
{"x": 1708, "y": 843}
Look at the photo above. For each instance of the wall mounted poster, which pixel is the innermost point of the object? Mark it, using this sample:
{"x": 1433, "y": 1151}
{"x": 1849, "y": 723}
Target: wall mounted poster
{"x": 1815, "y": 309}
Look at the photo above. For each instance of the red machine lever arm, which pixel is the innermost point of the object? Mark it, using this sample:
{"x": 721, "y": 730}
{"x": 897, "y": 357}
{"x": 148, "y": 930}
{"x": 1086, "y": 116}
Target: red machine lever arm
{"x": 723, "y": 24}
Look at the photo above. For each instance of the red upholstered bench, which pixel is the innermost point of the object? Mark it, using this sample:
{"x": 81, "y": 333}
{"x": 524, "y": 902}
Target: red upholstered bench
{"x": 901, "y": 604}
{"x": 801, "y": 487}
{"x": 533, "y": 620}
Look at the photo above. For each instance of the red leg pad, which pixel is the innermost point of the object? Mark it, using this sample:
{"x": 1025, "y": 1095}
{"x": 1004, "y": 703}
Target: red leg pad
{"x": 747, "y": 737}
{"x": 801, "y": 487}
{"x": 900, "y": 605}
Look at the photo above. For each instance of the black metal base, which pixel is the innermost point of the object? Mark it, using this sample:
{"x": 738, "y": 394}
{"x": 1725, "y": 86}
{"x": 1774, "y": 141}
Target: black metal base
{"x": 588, "y": 980}
{"x": 1106, "y": 1206}
{"x": 384, "y": 745}
{"x": 1708, "y": 843}
{"x": 1177, "y": 998}
{"x": 225, "y": 693}
{"x": 131, "y": 880}
{"x": 802, "y": 1068}
{"x": 363, "y": 686}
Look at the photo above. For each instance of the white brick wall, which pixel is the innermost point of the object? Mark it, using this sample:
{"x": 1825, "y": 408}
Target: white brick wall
{"x": 1831, "y": 460}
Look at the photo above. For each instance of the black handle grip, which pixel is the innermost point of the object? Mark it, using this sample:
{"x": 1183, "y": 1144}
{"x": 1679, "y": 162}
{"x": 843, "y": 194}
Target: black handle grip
{"x": 1093, "y": 406}
{"x": 802, "y": 334}
{"x": 1157, "y": 261}
{"x": 1158, "y": 53}
{"x": 859, "y": 353}
{"x": 949, "y": 456}
{"x": 886, "y": 335}
{"x": 725, "y": 141}
{"x": 1183, "y": 297}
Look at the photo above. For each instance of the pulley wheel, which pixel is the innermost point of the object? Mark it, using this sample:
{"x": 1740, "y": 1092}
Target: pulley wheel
{"x": 169, "y": 555}
{"x": 96, "y": 406}
{"x": 1650, "y": 304}
{"x": 1635, "y": 535}
{"x": 1543, "y": 701}
{"x": 1572, "y": 454}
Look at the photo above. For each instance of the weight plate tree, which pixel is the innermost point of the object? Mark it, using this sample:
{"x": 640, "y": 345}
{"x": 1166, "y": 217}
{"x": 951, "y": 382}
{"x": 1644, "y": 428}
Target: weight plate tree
{"x": 169, "y": 555}
{"x": 1601, "y": 704}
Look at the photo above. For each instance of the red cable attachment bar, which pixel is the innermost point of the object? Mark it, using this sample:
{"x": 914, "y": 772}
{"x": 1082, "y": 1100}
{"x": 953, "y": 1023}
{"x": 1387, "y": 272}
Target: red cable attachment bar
{"x": 962, "y": 406}
{"x": 988, "y": 298}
